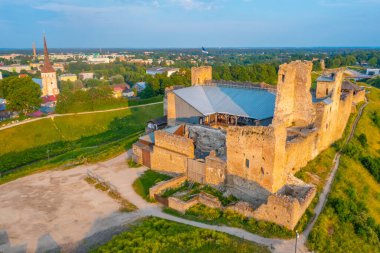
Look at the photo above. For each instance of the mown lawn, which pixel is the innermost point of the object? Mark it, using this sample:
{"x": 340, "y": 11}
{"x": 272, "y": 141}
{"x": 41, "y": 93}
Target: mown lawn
{"x": 72, "y": 139}
{"x": 350, "y": 221}
{"x": 159, "y": 235}
{"x": 146, "y": 181}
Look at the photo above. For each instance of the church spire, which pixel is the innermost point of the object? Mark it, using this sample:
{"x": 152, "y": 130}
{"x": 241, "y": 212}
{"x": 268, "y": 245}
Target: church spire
{"x": 47, "y": 68}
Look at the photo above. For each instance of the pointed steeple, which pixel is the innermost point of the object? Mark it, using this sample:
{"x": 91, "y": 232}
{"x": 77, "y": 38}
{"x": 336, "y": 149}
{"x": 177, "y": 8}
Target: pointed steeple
{"x": 47, "y": 68}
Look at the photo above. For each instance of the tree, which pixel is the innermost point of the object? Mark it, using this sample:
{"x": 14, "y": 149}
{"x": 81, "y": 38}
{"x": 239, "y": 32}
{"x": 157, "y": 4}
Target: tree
{"x": 22, "y": 94}
{"x": 372, "y": 61}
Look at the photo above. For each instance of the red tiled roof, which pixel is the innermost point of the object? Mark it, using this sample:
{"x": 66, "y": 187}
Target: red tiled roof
{"x": 50, "y": 98}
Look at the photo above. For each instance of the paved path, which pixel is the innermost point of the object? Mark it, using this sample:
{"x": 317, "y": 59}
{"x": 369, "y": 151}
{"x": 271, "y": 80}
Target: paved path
{"x": 77, "y": 113}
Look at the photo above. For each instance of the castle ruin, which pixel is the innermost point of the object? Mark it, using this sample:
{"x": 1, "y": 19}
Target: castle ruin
{"x": 250, "y": 139}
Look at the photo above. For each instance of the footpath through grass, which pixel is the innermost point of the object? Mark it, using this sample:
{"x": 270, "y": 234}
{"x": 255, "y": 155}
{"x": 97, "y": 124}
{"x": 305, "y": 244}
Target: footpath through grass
{"x": 71, "y": 140}
{"x": 159, "y": 235}
{"x": 350, "y": 221}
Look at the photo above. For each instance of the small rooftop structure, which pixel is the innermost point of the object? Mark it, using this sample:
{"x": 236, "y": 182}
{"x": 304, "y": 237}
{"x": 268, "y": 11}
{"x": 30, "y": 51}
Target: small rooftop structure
{"x": 156, "y": 124}
{"x": 348, "y": 85}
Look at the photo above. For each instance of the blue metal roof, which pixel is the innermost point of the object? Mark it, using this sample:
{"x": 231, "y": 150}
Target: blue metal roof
{"x": 38, "y": 81}
{"x": 252, "y": 103}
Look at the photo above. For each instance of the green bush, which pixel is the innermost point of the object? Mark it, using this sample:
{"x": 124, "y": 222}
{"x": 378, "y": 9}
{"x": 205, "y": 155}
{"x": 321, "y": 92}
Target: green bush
{"x": 158, "y": 235}
{"x": 372, "y": 165}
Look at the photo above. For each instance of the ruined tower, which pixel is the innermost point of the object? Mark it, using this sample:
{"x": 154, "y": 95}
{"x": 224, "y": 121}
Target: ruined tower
{"x": 294, "y": 102}
{"x": 48, "y": 75}
{"x": 201, "y": 75}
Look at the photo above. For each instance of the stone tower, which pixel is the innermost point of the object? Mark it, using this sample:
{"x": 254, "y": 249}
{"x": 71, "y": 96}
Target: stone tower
{"x": 48, "y": 75}
{"x": 34, "y": 52}
{"x": 201, "y": 75}
{"x": 294, "y": 105}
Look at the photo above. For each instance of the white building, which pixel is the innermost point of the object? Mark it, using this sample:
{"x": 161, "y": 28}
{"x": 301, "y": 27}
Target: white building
{"x": 97, "y": 60}
{"x": 161, "y": 70}
{"x": 373, "y": 72}
{"x": 86, "y": 75}
{"x": 15, "y": 68}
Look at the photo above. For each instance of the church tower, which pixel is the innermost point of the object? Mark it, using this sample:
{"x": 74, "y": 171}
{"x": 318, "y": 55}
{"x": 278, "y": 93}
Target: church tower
{"x": 48, "y": 75}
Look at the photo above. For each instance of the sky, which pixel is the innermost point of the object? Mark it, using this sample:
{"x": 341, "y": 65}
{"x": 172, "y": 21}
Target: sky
{"x": 189, "y": 23}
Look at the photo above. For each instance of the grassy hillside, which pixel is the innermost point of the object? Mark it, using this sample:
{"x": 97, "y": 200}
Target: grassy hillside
{"x": 158, "y": 235}
{"x": 71, "y": 137}
{"x": 351, "y": 218}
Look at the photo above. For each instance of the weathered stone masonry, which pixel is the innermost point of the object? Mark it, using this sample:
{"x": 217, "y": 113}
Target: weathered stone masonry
{"x": 257, "y": 163}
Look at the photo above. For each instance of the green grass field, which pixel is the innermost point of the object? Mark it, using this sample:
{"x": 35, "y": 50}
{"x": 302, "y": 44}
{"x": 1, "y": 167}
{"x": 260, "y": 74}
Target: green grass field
{"x": 146, "y": 181}
{"x": 350, "y": 221}
{"x": 76, "y": 138}
{"x": 159, "y": 235}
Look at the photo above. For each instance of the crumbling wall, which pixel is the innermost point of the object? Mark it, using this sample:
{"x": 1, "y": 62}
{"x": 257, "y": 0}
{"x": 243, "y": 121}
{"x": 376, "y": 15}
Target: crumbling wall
{"x": 137, "y": 153}
{"x": 286, "y": 209}
{"x": 207, "y": 140}
{"x": 196, "y": 170}
{"x": 180, "y": 205}
{"x": 164, "y": 185}
{"x": 257, "y": 153}
{"x": 293, "y": 102}
{"x": 215, "y": 173}
{"x": 201, "y": 75}
{"x": 202, "y": 198}
{"x": 243, "y": 208}
{"x": 299, "y": 151}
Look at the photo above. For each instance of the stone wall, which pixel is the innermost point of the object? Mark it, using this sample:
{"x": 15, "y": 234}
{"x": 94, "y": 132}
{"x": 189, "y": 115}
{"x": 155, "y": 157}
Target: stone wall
{"x": 137, "y": 153}
{"x": 168, "y": 161}
{"x": 171, "y": 108}
{"x": 196, "y": 170}
{"x": 257, "y": 153}
{"x": 293, "y": 102}
{"x": 201, "y": 75}
{"x": 244, "y": 208}
{"x": 180, "y": 205}
{"x": 209, "y": 200}
{"x": 215, "y": 173}
{"x": 284, "y": 210}
{"x": 359, "y": 96}
{"x": 202, "y": 198}
{"x": 164, "y": 185}
{"x": 173, "y": 142}
{"x": 299, "y": 151}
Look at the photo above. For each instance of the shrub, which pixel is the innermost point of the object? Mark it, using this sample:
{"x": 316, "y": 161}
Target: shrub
{"x": 363, "y": 140}
{"x": 132, "y": 164}
{"x": 203, "y": 212}
{"x": 372, "y": 165}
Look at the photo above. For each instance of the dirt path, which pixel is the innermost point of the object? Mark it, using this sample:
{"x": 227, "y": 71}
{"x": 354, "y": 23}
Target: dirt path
{"x": 77, "y": 113}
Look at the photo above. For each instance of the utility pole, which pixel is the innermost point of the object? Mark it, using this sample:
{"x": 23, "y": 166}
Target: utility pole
{"x": 297, "y": 236}
{"x": 48, "y": 156}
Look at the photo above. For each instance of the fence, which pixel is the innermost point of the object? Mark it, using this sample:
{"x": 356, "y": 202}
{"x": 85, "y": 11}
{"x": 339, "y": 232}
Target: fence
{"x": 102, "y": 181}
